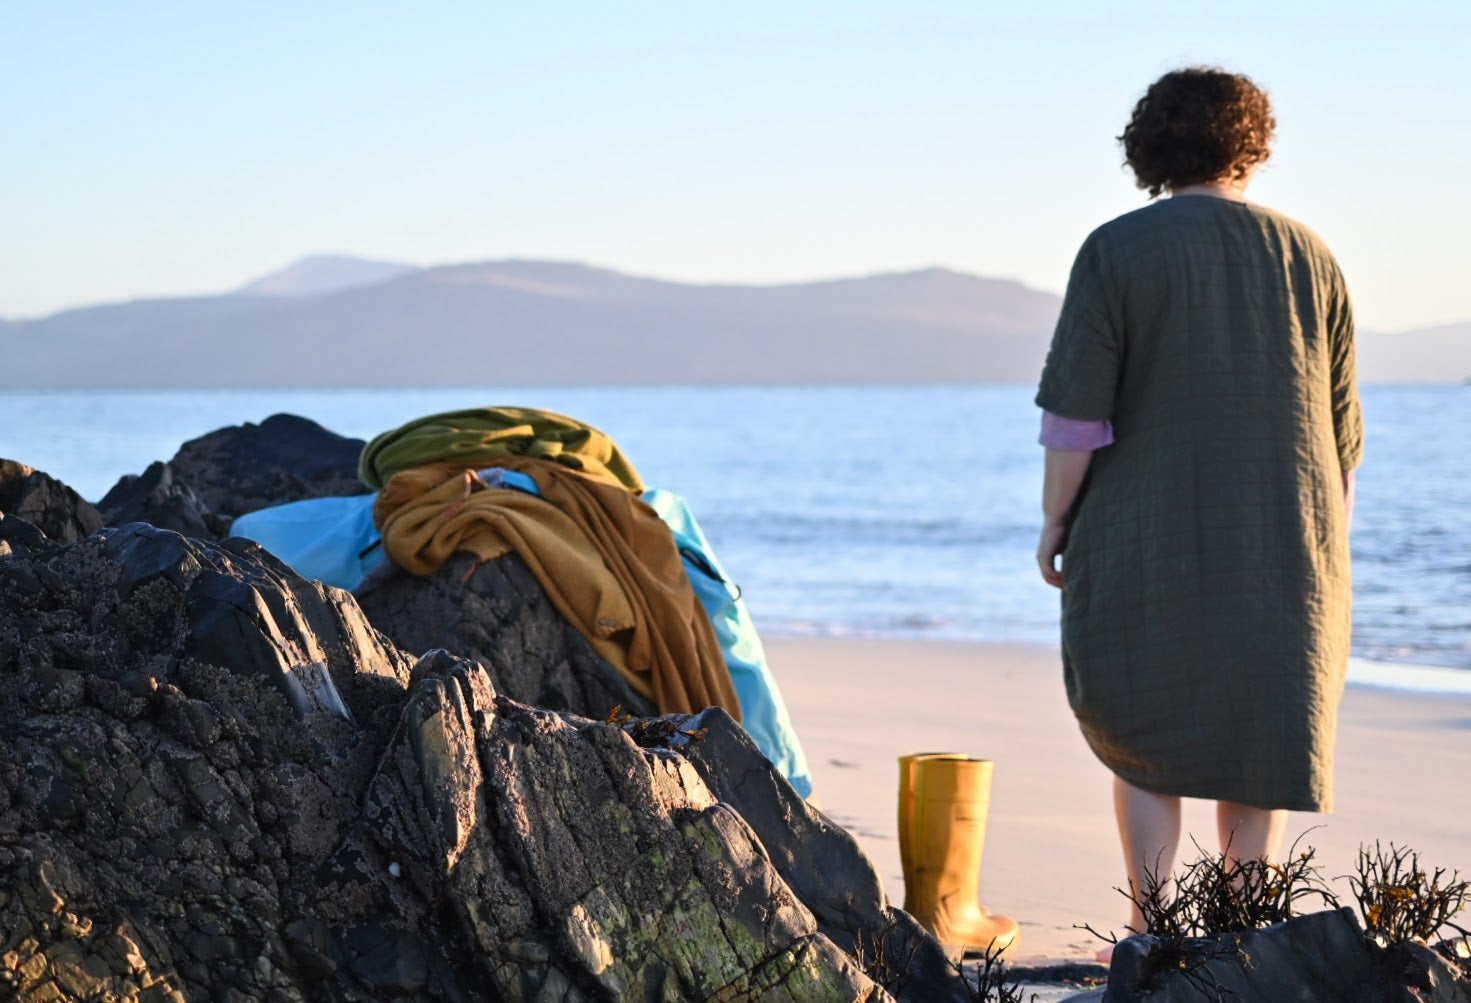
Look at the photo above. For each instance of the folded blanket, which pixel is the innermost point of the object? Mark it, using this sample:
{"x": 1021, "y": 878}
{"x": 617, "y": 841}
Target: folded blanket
{"x": 606, "y": 560}
{"x": 478, "y": 437}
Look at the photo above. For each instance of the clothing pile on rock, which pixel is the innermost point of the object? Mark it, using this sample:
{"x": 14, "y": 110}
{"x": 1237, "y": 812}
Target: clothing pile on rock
{"x": 626, "y": 565}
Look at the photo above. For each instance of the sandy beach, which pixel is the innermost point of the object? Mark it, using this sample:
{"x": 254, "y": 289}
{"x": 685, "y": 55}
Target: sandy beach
{"x": 1052, "y": 860}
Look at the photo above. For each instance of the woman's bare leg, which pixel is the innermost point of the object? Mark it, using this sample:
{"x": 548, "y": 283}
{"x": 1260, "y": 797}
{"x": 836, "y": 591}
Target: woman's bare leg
{"x": 1249, "y": 833}
{"x": 1149, "y": 829}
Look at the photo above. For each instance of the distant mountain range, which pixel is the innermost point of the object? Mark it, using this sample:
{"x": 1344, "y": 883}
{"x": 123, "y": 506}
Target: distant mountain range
{"x": 1425, "y": 355}
{"x": 337, "y": 321}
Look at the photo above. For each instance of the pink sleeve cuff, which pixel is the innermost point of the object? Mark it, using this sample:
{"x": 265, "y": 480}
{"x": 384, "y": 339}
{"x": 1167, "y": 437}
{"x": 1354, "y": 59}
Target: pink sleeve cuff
{"x": 1067, "y": 433}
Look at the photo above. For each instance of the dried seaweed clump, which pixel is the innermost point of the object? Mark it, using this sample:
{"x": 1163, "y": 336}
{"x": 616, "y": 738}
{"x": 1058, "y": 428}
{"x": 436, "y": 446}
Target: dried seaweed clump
{"x": 1400, "y": 901}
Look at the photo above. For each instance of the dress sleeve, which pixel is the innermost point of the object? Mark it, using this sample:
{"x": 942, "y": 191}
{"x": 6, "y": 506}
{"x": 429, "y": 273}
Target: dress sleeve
{"x": 1348, "y": 417}
{"x": 1066, "y": 433}
{"x": 1082, "y": 369}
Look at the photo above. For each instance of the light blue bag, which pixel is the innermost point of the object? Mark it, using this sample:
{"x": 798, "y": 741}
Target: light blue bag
{"x": 763, "y": 711}
{"x": 333, "y": 539}
{"x": 330, "y": 539}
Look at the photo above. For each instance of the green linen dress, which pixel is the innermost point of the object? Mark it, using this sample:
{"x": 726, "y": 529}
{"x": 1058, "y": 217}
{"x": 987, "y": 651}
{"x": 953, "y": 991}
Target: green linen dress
{"x": 1205, "y": 619}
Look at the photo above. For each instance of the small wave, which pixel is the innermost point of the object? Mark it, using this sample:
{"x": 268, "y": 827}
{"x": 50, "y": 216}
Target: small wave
{"x": 1409, "y": 678}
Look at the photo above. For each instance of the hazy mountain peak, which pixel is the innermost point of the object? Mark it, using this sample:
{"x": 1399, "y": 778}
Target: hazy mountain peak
{"x": 334, "y": 320}
{"x": 546, "y": 278}
{"x": 319, "y": 274}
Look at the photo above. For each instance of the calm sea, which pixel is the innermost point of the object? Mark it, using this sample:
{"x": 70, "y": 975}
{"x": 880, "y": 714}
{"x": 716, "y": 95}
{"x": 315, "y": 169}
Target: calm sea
{"x": 884, "y": 512}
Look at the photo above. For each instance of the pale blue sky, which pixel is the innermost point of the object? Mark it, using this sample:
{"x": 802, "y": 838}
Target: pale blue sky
{"x": 174, "y": 147}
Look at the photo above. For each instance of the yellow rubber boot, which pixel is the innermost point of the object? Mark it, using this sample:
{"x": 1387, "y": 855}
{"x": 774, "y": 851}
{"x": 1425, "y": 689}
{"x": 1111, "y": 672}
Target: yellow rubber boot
{"x": 944, "y": 798}
{"x": 908, "y": 817}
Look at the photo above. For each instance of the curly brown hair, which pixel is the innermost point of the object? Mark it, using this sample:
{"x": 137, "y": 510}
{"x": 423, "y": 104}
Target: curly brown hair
{"x": 1198, "y": 125}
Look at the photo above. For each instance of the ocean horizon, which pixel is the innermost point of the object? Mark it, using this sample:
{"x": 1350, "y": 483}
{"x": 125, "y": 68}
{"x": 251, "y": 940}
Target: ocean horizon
{"x": 884, "y": 512}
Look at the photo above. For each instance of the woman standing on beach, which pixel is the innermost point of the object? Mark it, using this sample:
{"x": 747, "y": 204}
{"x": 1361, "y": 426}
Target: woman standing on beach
{"x": 1202, "y": 424}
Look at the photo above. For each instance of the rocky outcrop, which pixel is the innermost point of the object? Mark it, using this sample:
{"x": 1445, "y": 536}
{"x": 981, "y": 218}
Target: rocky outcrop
{"x": 159, "y": 499}
{"x": 217, "y": 477}
{"x": 220, "y": 782}
{"x": 187, "y": 726}
{"x": 19, "y": 537}
{"x": 284, "y": 458}
{"x": 45, "y": 503}
{"x": 497, "y": 614}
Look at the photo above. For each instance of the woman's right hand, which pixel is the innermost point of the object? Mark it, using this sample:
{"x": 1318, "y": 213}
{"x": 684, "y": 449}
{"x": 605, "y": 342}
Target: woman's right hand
{"x": 1049, "y": 550}
{"x": 1062, "y": 480}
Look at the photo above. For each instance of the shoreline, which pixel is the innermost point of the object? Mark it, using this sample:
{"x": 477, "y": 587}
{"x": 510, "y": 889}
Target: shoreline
{"x": 1378, "y": 673}
{"x": 1409, "y": 677}
{"x": 1052, "y": 857}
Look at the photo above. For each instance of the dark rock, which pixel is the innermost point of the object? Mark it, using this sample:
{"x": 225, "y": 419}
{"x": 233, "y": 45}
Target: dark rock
{"x": 159, "y": 499}
{"x": 45, "y": 503}
{"x": 235, "y": 606}
{"x": 497, "y": 614}
{"x": 148, "y": 778}
{"x": 386, "y": 960}
{"x": 285, "y": 458}
{"x": 1428, "y": 973}
{"x": 219, "y": 476}
{"x": 1138, "y": 964}
{"x": 313, "y": 947}
{"x": 18, "y": 536}
{"x": 575, "y": 863}
{"x": 817, "y": 858}
{"x": 75, "y": 948}
{"x": 219, "y": 783}
{"x": 1322, "y": 956}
